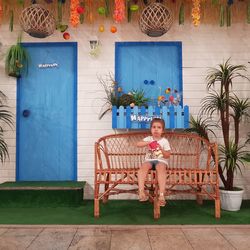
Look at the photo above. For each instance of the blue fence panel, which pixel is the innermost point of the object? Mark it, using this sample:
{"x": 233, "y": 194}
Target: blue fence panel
{"x": 121, "y": 119}
{"x": 179, "y": 117}
{"x": 143, "y": 114}
{"x": 135, "y": 114}
{"x": 171, "y": 117}
{"x": 140, "y": 118}
{"x": 150, "y": 114}
{"x": 128, "y": 118}
{"x": 114, "y": 117}
{"x": 186, "y": 116}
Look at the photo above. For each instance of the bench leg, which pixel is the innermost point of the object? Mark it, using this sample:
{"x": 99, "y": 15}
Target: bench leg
{"x": 199, "y": 199}
{"x": 217, "y": 208}
{"x": 157, "y": 211}
{"x": 96, "y": 208}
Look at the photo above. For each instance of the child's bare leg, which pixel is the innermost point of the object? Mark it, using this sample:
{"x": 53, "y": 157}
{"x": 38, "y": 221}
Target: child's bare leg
{"x": 161, "y": 174}
{"x": 142, "y": 174}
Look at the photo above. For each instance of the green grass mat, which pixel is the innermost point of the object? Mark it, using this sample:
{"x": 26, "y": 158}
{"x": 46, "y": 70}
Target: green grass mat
{"x": 126, "y": 213}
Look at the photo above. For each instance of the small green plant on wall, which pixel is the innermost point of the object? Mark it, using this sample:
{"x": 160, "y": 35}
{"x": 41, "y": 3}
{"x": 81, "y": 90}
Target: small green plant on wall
{"x": 16, "y": 61}
{"x": 6, "y": 119}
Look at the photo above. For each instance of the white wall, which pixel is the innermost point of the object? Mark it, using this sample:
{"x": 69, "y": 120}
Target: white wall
{"x": 203, "y": 47}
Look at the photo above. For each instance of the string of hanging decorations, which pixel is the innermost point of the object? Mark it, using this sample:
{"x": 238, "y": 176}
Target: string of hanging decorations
{"x": 64, "y": 13}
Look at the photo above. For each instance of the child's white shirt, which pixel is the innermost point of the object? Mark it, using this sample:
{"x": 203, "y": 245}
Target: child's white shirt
{"x": 152, "y": 156}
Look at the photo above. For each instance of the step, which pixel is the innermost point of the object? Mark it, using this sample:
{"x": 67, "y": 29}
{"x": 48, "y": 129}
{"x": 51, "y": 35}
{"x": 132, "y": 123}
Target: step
{"x": 41, "y": 193}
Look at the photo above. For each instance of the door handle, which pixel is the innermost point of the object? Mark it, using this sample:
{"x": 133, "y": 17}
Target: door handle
{"x": 26, "y": 113}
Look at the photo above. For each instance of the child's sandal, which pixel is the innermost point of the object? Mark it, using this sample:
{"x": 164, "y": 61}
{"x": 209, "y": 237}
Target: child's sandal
{"x": 142, "y": 196}
{"x": 161, "y": 200}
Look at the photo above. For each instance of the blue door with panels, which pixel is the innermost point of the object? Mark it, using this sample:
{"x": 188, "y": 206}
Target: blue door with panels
{"x": 47, "y": 114}
{"x": 152, "y": 67}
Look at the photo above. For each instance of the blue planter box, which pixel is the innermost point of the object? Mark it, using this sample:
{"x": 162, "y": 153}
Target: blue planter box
{"x": 140, "y": 117}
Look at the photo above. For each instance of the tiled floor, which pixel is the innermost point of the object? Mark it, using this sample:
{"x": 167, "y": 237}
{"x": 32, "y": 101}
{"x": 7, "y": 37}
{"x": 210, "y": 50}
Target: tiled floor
{"x": 124, "y": 237}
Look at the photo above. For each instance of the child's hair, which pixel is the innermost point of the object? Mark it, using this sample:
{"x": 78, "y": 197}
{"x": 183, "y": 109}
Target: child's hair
{"x": 161, "y": 121}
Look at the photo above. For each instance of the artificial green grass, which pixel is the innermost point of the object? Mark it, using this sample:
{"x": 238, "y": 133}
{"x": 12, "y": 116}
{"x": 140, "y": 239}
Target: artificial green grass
{"x": 126, "y": 212}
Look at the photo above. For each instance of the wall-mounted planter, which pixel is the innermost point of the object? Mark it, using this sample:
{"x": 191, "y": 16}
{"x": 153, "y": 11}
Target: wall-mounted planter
{"x": 140, "y": 117}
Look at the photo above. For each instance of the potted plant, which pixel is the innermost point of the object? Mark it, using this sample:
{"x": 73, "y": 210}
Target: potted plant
{"x": 16, "y": 61}
{"x": 230, "y": 109}
{"x": 5, "y": 119}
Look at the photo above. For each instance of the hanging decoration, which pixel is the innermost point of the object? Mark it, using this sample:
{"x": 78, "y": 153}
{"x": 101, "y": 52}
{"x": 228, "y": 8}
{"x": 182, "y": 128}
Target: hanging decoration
{"x": 37, "y": 21}
{"x": 81, "y": 10}
{"x": 113, "y": 29}
{"x": 222, "y": 14}
{"x": 107, "y": 8}
{"x": 155, "y": 20}
{"x": 119, "y": 11}
{"x": 11, "y": 20}
{"x": 196, "y": 12}
{"x": 229, "y": 16}
{"x": 1, "y": 11}
{"x": 101, "y": 28}
{"x": 181, "y": 14}
{"x": 66, "y": 35}
{"x": 248, "y": 12}
{"x": 74, "y": 15}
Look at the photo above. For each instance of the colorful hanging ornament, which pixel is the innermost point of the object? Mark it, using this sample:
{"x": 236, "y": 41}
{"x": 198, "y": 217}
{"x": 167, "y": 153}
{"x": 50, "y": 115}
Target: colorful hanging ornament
{"x": 66, "y": 35}
{"x": 181, "y": 14}
{"x": 119, "y": 11}
{"x": 101, "y": 11}
{"x": 248, "y": 12}
{"x": 222, "y": 14}
{"x": 196, "y": 12}
{"x": 74, "y": 15}
{"x": 113, "y": 29}
{"x": 101, "y": 28}
{"x": 80, "y": 10}
{"x": 229, "y": 18}
{"x": 1, "y": 11}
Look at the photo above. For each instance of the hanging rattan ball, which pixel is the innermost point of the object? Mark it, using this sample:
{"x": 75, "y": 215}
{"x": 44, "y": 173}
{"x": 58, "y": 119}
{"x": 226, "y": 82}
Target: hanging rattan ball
{"x": 37, "y": 21}
{"x": 155, "y": 20}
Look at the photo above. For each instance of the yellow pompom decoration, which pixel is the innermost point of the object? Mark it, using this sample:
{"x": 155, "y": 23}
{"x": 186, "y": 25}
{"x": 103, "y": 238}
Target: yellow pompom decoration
{"x": 196, "y": 12}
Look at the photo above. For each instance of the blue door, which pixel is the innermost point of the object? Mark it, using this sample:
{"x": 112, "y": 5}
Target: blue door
{"x": 47, "y": 114}
{"x": 152, "y": 67}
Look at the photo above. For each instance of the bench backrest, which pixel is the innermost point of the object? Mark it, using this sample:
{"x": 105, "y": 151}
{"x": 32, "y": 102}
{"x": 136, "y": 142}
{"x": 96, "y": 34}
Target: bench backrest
{"x": 119, "y": 151}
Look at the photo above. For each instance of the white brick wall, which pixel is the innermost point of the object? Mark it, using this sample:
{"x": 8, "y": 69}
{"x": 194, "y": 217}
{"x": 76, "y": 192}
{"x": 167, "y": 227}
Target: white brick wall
{"x": 203, "y": 47}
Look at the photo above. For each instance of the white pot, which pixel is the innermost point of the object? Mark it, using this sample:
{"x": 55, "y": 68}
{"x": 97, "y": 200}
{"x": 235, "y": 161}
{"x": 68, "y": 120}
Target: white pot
{"x": 231, "y": 200}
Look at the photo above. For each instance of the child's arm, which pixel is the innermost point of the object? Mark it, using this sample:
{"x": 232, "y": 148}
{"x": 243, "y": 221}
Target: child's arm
{"x": 166, "y": 154}
{"x": 141, "y": 144}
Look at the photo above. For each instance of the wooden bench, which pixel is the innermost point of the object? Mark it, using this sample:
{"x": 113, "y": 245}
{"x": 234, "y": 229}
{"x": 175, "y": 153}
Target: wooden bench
{"x": 193, "y": 168}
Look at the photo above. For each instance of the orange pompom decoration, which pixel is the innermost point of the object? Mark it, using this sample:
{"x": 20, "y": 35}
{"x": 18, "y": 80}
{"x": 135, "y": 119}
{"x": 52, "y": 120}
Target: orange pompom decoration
{"x": 113, "y": 29}
{"x": 74, "y": 15}
{"x": 66, "y": 35}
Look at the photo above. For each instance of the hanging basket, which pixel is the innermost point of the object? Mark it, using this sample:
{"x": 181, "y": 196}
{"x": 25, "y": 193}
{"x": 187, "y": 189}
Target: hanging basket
{"x": 37, "y": 21}
{"x": 155, "y": 20}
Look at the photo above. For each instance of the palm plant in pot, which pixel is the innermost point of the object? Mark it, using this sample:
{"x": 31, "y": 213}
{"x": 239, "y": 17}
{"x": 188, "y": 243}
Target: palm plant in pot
{"x": 16, "y": 61}
{"x": 230, "y": 109}
{"x": 5, "y": 120}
